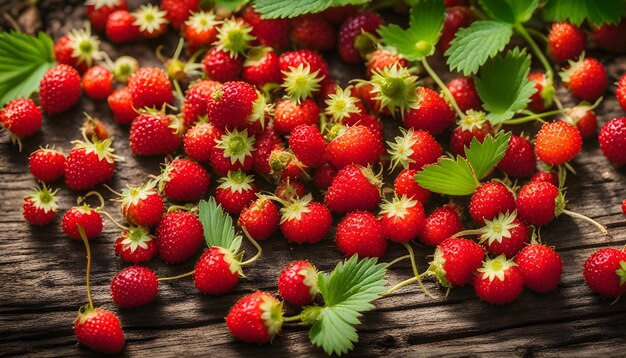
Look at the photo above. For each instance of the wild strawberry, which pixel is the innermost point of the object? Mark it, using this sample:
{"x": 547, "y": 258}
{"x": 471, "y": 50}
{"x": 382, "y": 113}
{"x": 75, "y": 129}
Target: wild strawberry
{"x": 290, "y": 189}
{"x": 352, "y": 32}
{"x": 268, "y": 32}
{"x": 308, "y": 145}
{"x": 59, "y": 89}
{"x": 120, "y": 27}
{"x": 184, "y": 180}
{"x": 565, "y": 41}
{"x": 304, "y": 57}
{"x": 612, "y": 138}
{"x": 200, "y": 30}
{"x": 136, "y": 245}
{"x": 155, "y": 133}
{"x": 442, "y": 223}
{"x": 261, "y": 67}
{"x": 178, "y": 236}
{"x": 313, "y": 31}
{"x": 548, "y": 177}
{"x": 236, "y": 190}
{"x": 220, "y": 66}
{"x": 354, "y": 188}
{"x": 98, "y": 82}
{"x": 543, "y": 97}
{"x": 339, "y": 14}
{"x": 94, "y": 128}
{"x": 464, "y": 93}
{"x": 354, "y": 145}
{"x": 609, "y": 36}
{"x": 265, "y": 143}
{"x": 177, "y": 12}
{"x": 585, "y": 79}
{"x": 414, "y": 149}
{"x": 234, "y": 104}
{"x": 472, "y": 125}
{"x": 255, "y": 318}
{"x": 541, "y": 267}
{"x": 392, "y": 90}
{"x": 624, "y": 207}
{"x": 304, "y": 220}
{"x": 405, "y": 184}
{"x": 121, "y": 104}
{"x": 289, "y": 114}
{"x": 196, "y": 98}
{"x": 233, "y": 151}
{"x": 150, "y": 20}
{"x": 584, "y": 119}
{"x": 505, "y": 234}
{"x": 538, "y": 203}
{"x": 519, "y": 159}
{"x": 301, "y": 82}
{"x": 98, "y": 11}
{"x": 150, "y": 87}
{"x": 402, "y": 218}
{"x": 47, "y": 165}
{"x": 605, "y": 272}
{"x": 433, "y": 113}
{"x": 557, "y": 142}
{"x": 260, "y": 219}
{"x": 620, "y": 93}
{"x": 40, "y": 206}
{"x": 456, "y": 17}
{"x": 83, "y": 215}
{"x": 297, "y": 283}
{"x": 22, "y": 118}
{"x": 499, "y": 281}
{"x": 234, "y": 37}
{"x": 489, "y": 200}
{"x": 89, "y": 164}
{"x": 99, "y": 330}
{"x": 216, "y": 272}
{"x": 200, "y": 140}
{"x": 134, "y": 286}
{"x": 361, "y": 233}
{"x": 455, "y": 262}
{"x": 451, "y": 3}
{"x": 323, "y": 176}
{"x": 142, "y": 205}
{"x": 78, "y": 49}
{"x": 383, "y": 58}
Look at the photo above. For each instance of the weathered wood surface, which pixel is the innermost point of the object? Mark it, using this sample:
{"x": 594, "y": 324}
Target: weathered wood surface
{"x": 42, "y": 271}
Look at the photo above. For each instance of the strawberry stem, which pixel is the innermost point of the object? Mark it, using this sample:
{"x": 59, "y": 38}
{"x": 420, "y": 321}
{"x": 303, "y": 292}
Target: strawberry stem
{"x": 587, "y": 219}
{"x": 404, "y": 283}
{"x": 112, "y": 190}
{"x": 538, "y": 34}
{"x": 443, "y": 87}
{"x": 81, "y": 199}
{"x": 256, "y": 245}
{"x": 415, "y": 272}
{"x": 468, "y": 232}
{"x": 108, "y": 216}
{"x": 393, "y": 262}
{"x": 537, "y": 51}
{"x": 535, "y": 117}
{"x": 177, "y": 276}
{"x": 294, "y": 318}
{"x": 83, "y": 236}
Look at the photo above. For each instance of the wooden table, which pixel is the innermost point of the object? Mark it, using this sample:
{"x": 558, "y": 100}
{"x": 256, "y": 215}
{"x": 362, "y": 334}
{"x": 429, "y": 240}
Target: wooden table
{"x": 42, "y": 271}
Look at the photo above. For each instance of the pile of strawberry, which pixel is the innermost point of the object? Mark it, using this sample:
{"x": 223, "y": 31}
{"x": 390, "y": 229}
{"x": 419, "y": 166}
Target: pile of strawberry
{"x": 292, "y": 151}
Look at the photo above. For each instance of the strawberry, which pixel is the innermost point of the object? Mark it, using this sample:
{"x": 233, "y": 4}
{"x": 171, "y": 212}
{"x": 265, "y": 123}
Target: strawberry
{"x": 472, "y": 125}
{"x": 59, "y": 89}
{"x": 609, "y": 36}
{"x": 455, "y": 262}
{"x": 155, "y": 133}
{"x": 83, "y": 215}
{"x": 177, "y": 12}
{"x": 313, "y": 31}
{"x": 21, "y": 118}
{"x": 442, "y": 223}
{"x": 289, "y": 114}
{"x": 261, "y": 67}
{"x": 216, "y": 272}
{"x": 456, "y": 18}
{"x": 354, "y": 188}
{"x": 612, "y": 139}
{"x": 304, "y": 57}
{"x": 355, "y": 145}
{"x": 178, "y": 236}
{"x": 308, "y": 145}
{"x": 255, "y": 318}
{"x": 234, "y": 37}
{"x": 150, "y": 87}
{"x": 548, "y": 177}
{"x": 220, "y": 66}
{"x": 265, "y": 143}
{"x": 94, "y": 128}
{"x": 233, "y": 106}
{"x": 99, "y": 330}
{"x": 451, "y": 3}
{"x": 499, "y": 281}
{"x": 352, "y": 32}
{"x": 585, "y": 79}
{"x": 196, "y": 98}
{"x": 260, "y": 219}
{"x": 236, "y": 190}
{"x": 605, "y": 272}
{"x": 97, "y": 82}
{"x": 557, "y": 142}
{"x": 200, "y": 140}
{"x": 40, "y": 206}
{"x": 519, "y": 159}
{"x": 543, "y": 97}
{"x": 301, "y": 82}
{"x": 584, "y": 119}
{"x": 290, "y": 189}
{"x": 121, "y": 104}
{"x": 339, "y": 14}
{"x": 504, "y": 235}
{"x": 200, "y": 30}
{"x": 78, "y": 49}
{"x": 98, "y": 11}
{"x": 184, "y": 180}
{"x": 142, "y": 205}
{"x": 383, "y": 58}
{"x": 414, "y": 149}
{"x": 150, "y": 20}
{"x": 565, "y": 41}
{"x": 402, "y": 218}
{"x": 620, "y": 93}
{"x": 541, "y": 267}
{"x": 304, "y": 220}
{"x": 297, "y": 283}
{"x": 268, "y": 32}
{"x": 433, "y": 113}
{"x": 538, "y": 203}
{"x": 136, "y": 245}
{"x": 405, "y": 184}
{"x": 323, "y": 176}
{"x": 464, "y": 93}
{"x": 120, "y": 27}
{"x": 489, "y": 200}
{"x": 233, "y": 151}
{"x": 134, "y": 286}
{"x": 89, "y": 164}
{"x": 361, "y": 233}
{"x": 624, "y": 207}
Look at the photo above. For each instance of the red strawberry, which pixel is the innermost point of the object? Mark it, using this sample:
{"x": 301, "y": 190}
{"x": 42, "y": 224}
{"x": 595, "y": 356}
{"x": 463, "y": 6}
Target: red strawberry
{"x": 361, "y": 233}
{"x": 255, "y": 318}
{"x": 177, "y": 12}
{"x": 134, "y": 286}
{"x": 150, "y": 20}
{"x": 351, "y": 33}
{"x": 184, "y": 180}
{"x": 354, "y": 188}
{"x": 290, "y": 114}
{"x": 489, "y": 200}
{"x": 303, "y": 220}
{"x": 605, "y": 272}
{"x": 355, "y": 145}
{"x": 83, "y": 215}
{"x": 414, "y": 149}
{"x": 308, "y": 145}
{"x": 89, "y": 164}
{"x": 609, "y": 37}
{"x": 142, "y": 205}
{"x": 260, "y": 219}
{"x": 78, "y": 49}
{"x": 457, "y": 17}
{"x": 178, "y": 236}
{"x": 519, "y": 159}
{"x": 464, "y": 93}
{"x": 612, "y": 139}
{"x": 402, "y": 218}
{"x": 99, "y": 330}
{"x": 543, "y": 97}
{"x": 499, "y": 281}
{"x": 94, "y": 128}
{"x": 220, "y": 66}
{"x": 232, "y": 106}
{"x": 290, "y": 189}
{"x": 338, "y": 14}
{"x": 538, "y": 203}
{"x": 383, "y": 58}
{"x": 405, "y": 184}
{"x": 472, "y": 125}
{"x": 98, "y": 82}
{"x": 40, "y": 207}
{"x": 313, "y": 31}
{"x": 323, "y": 176}
{"x": 236, "y": 190}
{"x": 624, "y": 206}
{"x": 584, "y": 119}
{"x": 136, "y": 245}
{"x": 59, "y": 89}
{"x": 440, "y": 225}
{"x": 548, "y": 177}
{"x": 297, "y": 283}
{"x": 233, "y": 151}
{"x": 565, "y": 41}
{"x": 261, "y": 67}
{"x": 120, "y": 27}
{"x": 22, "y": 118}
{"x": 98, "y": 11}
{"x": 216, "y": 272}
{"x": 155, "y": 133}
{"x": 268, "y": 32}
{"x": 200, "y": 140}
{"x": 265, "y": 143}
{"x": 557, "y": 142}
{"x": 305, "y": 57}
{"x": 433, "y": 113}
{"x": 200, "y": 30}
{"x": 541, "y": 267}
{"x": 150, "y": 87}
{"x": 455, "y": 262}
{"x": 586, "y": 79}
{"x": 196, "y": 99}
{"x": 620, "y": 93}
{"x": 121, "y": 103}
{"x": 504, "y": 235}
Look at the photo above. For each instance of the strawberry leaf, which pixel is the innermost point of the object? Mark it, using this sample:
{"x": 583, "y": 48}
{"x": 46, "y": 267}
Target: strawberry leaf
{"x": 503, "y": 85}
{"x": 449, "y": 177}
{"x": 510, "y": 11}
{"x": 577, "y": 11}
{"x": 24, "y": 60}
{"x": 218, "y": 226}
{"x": 475, "y": 44}
{"x": 483, "y": 157}
{"x": 273, "y": 9}
{"x": 348, "y": 291}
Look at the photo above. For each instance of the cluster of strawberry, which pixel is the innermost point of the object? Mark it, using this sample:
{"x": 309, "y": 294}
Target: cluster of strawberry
{"x": 262, "y": 108}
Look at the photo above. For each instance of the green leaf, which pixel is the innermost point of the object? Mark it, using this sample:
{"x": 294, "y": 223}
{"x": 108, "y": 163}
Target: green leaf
{"x": 24, "y": 60}
{"x": 419, "y": 40}
{"x": 218, "y": 226}
{"x": 475, "y": 44}
{"x": 348, "y": 291}
{"x": 449, "y": 177}
{"x": 273, "y": 9}
{"x": 577, "y": 11}
{"x": 503, "y": 85}
{"x": 510, "y": 11}
{"x": 483, "y": 157}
